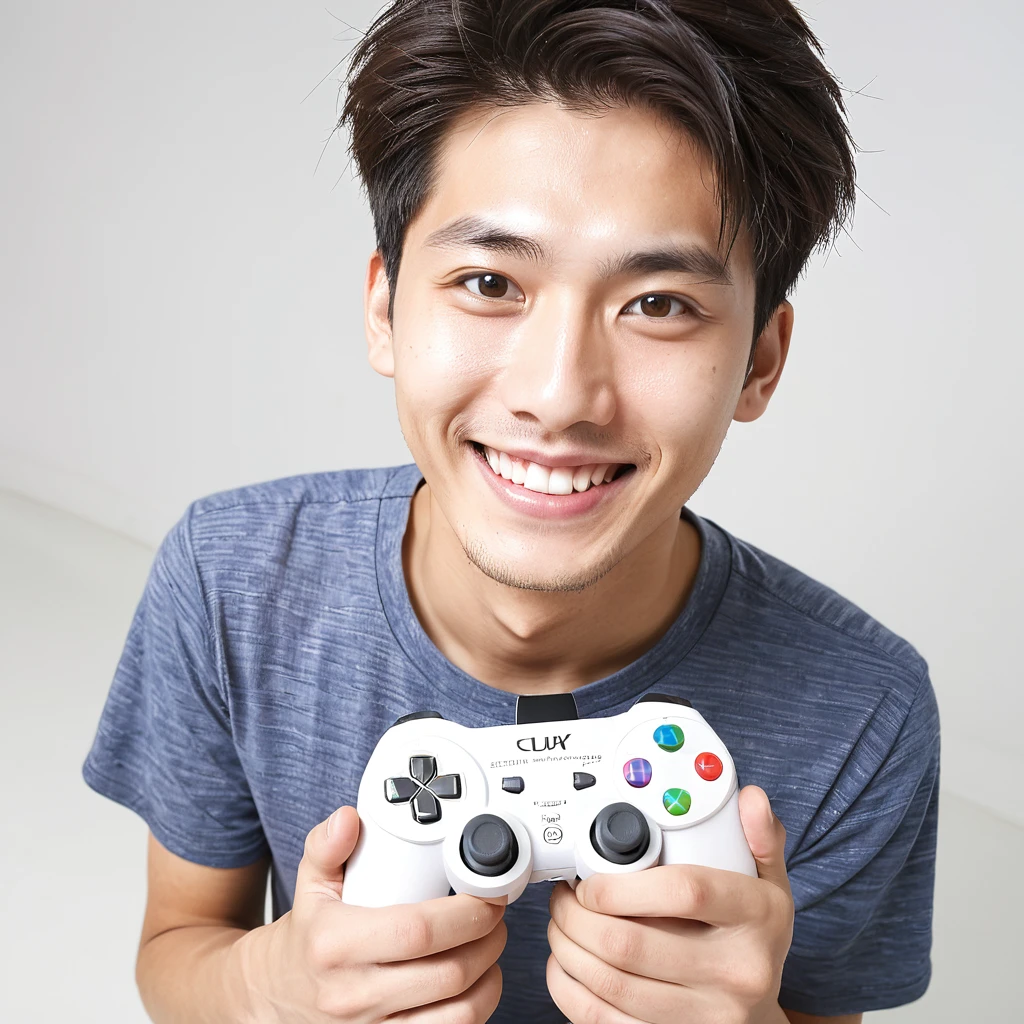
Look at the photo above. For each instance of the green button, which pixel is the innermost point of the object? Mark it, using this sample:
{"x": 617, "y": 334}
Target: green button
{"x": 668, "y": 737}
{"x": 676, "y": 801}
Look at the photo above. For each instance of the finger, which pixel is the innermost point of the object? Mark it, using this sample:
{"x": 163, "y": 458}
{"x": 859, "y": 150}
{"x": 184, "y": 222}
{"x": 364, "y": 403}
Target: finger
{"x": 690, "y": 891}
{"x": 766, "y": 835}
{"x": 441, "y": 976}
{"x": 409, "y": 931}
{"x": 678, "y": 952}
{"x": 577, "y": 1002}
{"x": 634, "y": 994}
{"x": 476, "y": 1004}
{"x": 328, "y": 846}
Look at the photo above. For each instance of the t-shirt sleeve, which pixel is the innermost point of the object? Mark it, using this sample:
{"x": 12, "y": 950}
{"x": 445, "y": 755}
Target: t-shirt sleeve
{"x": 863, "y": 886}
{"x": 164, "y": 745}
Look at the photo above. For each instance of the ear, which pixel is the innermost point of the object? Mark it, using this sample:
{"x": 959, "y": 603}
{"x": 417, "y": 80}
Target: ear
{"x": 376, "y": 294}
{"x": 769, "y": 359}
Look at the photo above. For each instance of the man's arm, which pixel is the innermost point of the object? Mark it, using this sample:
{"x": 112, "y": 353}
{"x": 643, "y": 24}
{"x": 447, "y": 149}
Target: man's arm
{"x": 188, "y": 967}
{"x": 206, "y": 957}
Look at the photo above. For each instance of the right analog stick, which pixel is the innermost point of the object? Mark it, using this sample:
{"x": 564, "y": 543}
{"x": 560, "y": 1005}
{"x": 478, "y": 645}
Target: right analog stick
{"x": 620, "y": 833}
{"x": 488, "y": 845}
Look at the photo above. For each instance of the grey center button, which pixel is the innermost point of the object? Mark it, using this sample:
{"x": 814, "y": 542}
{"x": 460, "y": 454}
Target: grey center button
{"x": 513, "y": 784}
{"x": 582, "y": 780}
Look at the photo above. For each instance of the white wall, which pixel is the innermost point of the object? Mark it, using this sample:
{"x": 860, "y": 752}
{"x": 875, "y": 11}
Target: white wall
{"x": 180, "y": 309}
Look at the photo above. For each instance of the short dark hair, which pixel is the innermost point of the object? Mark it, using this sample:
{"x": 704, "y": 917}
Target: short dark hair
{"x": 744, "y": 78}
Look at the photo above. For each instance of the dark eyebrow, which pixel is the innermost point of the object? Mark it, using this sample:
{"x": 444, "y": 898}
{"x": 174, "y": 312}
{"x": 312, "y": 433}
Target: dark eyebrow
{"x": 482, "y": 234}
{"x": 683, "y": 258}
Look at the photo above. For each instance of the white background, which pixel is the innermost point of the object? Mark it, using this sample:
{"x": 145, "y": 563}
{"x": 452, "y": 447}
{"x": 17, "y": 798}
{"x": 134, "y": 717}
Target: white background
{"x": 180, "y": 309}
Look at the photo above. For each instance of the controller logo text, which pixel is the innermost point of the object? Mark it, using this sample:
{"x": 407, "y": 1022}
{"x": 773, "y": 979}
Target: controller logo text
{"x": 540, "y": 743}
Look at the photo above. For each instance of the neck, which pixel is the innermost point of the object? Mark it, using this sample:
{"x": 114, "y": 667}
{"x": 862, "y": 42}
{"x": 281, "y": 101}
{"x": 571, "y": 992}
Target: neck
{"x": 529, "y": 641}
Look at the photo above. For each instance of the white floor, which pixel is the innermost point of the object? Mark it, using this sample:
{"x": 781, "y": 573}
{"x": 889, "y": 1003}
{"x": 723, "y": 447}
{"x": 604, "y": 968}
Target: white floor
{"x": 73, "y": 863}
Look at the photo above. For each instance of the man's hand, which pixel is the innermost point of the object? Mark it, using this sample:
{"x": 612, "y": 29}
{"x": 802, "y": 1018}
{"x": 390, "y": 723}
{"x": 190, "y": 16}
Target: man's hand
{"x": 326, "y": 961}
{"x": 677, "y": 942}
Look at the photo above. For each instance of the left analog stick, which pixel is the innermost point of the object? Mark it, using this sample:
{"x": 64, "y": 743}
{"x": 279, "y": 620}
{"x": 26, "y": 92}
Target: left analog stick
{"x": 488, "y": 845}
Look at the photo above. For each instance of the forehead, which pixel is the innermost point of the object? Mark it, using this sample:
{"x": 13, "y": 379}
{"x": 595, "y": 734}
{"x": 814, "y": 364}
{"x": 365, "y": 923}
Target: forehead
{"x": 579, "y": 181}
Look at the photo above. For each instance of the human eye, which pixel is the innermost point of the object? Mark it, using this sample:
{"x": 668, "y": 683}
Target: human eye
{"x": 656, "y": 306}
{"x": 490, "y": 286}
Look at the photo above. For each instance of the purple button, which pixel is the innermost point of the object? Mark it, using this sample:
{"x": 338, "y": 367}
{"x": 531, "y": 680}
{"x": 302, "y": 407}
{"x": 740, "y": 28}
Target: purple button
{"x": 637, "y": 772}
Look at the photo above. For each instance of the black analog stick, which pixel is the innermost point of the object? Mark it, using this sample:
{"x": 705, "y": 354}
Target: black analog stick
{"x": 620, "y": 834}
{"x": 488, "y": 845}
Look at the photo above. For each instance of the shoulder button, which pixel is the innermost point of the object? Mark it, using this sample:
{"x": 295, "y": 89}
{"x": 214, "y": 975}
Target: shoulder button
{"x": 416, "y": 716}
{"x": 663, "y": 698}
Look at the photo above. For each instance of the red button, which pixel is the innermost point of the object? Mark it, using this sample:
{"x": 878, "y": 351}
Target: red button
{"x": 709, "y": 766}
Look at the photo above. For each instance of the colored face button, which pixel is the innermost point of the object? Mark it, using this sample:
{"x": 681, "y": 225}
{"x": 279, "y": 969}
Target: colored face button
{"x": 709, "y": 766}
{"x": 676, "y": 801}
{"x": 668, "y": 737}
{"x": 637, "y": 772}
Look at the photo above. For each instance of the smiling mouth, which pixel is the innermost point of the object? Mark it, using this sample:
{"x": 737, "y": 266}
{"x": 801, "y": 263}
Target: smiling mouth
{"x": 533, "y": 476}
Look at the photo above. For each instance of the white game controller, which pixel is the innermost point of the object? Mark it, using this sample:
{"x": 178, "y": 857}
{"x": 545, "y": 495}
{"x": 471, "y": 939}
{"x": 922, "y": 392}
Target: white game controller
{"x": 485, "y": 811}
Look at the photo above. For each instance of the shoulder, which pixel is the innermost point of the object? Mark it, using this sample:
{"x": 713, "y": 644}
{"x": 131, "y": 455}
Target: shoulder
{"x": 291, "y": 520}
{"x": 811, "y": 653}
{"x": 796, "y": 606}
{"x": 339, "y": 488}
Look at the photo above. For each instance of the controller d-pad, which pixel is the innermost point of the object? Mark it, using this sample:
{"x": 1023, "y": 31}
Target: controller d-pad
{"x": 400, "y": 790}
{"x": 447, "y": 787}
{"x": 422, "y": 769}
{"x": 423, "y": 789}
{"x": 425, "y": 808}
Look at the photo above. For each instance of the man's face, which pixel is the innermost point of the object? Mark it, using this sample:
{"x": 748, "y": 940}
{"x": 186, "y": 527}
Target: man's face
{"x": 546, "y": 323}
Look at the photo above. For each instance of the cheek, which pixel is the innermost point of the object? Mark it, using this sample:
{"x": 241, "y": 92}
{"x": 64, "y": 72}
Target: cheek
{"x": 684, "y": 407}
{"x": 440, "y": 367}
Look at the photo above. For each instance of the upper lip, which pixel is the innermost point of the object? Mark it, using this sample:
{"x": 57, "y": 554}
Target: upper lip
{"x": 568, "y": 457}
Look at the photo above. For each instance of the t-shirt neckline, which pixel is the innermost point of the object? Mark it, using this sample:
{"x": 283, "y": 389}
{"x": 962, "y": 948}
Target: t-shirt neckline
{"x": 447, "y": 685}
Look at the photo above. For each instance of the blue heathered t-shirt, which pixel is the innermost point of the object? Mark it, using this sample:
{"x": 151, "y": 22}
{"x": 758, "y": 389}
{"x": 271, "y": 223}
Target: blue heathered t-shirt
{"x": 275, "y": 643}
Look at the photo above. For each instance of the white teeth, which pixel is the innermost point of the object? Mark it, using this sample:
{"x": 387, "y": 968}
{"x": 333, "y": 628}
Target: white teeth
{"x": 560, "y": 481}
{"x": 537, "y": 478}
{"x": 547, "y": 480}
{"x": 581, "y": 478}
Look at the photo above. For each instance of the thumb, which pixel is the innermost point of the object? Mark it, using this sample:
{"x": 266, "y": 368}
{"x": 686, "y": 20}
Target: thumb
{"x": 766, "y": 835}
{"x": 327, "y": 848}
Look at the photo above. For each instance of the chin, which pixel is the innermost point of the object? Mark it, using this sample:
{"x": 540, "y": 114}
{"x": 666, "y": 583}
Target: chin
{"x": 523, "y": 574}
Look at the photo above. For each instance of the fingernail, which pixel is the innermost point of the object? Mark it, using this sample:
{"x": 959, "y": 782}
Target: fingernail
{"x": 330, "y": 822}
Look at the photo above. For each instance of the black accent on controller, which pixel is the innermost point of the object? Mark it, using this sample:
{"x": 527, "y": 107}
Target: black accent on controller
{"x": 422, "y": 791}
{"x": 400, "y": 790}
{"x": 583, "y": 780}
{"x": 664, "y": 698}
{"x": 545, "y": 707}
{"x": 422, "y": 769}
{"x": 447, "y": 787}
{"x": 513, "y": 784}
{"x": 488, "y": 845}
{"x": 415, "y": 716}
{"x": 620, "y": 833}
{"x": 425, "y": 808}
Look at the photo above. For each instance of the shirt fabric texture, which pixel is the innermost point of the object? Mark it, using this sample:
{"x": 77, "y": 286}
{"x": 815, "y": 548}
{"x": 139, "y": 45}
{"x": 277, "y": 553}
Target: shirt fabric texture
{"x": 275, "y": 643}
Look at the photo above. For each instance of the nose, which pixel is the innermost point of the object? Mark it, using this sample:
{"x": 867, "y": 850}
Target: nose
{"x": 559, "y": 370}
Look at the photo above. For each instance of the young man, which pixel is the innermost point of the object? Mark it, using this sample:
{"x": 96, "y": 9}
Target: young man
{"x": 589, "y": 216}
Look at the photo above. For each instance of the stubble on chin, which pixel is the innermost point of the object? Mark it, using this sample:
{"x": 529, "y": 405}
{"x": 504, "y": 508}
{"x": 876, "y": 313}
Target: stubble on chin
{"x": 512, "y": 576}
